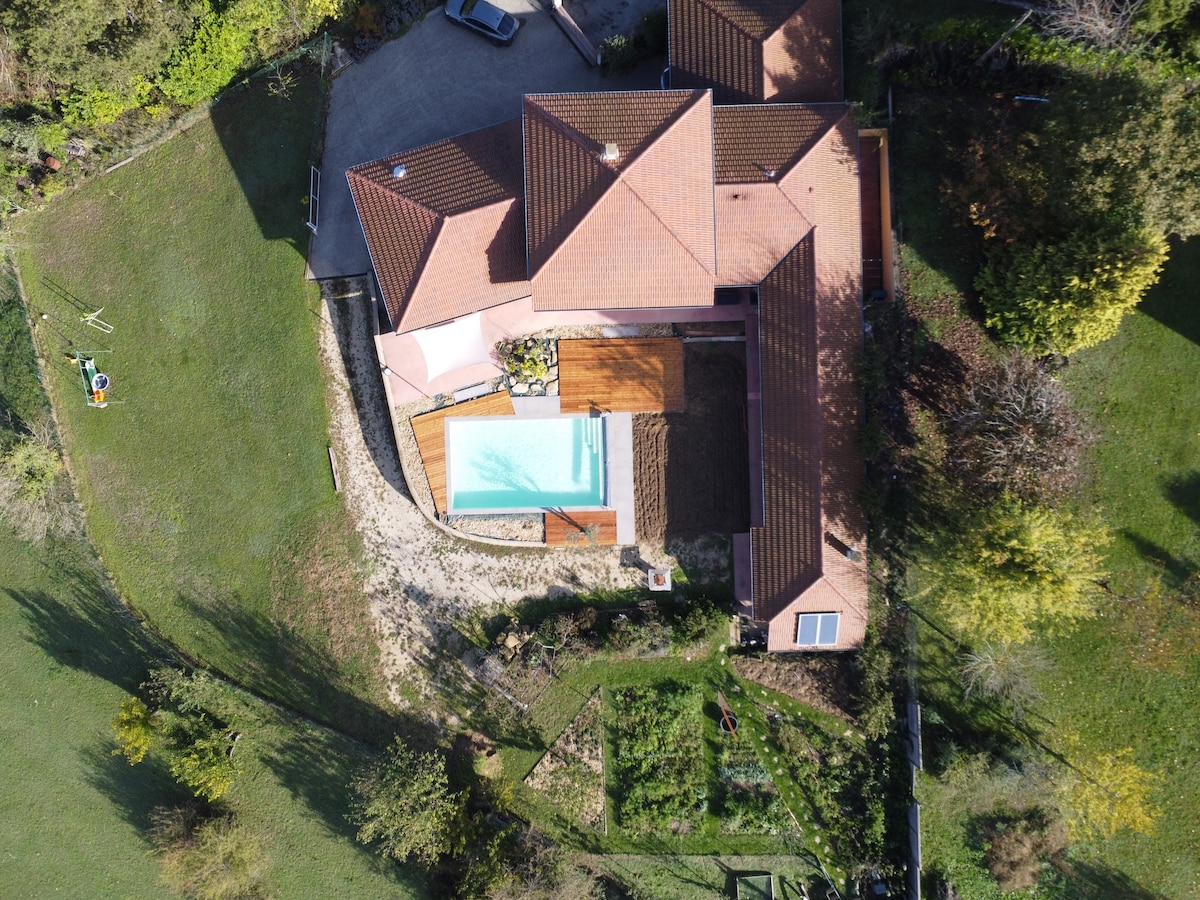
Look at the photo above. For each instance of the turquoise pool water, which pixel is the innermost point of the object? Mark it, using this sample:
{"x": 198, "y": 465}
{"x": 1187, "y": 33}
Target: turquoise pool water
{"x": 506, "y": 464}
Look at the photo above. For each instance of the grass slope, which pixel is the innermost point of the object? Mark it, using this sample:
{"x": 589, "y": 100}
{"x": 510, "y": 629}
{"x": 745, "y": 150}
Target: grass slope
{"x": 1131, "y": 678}
{"x": 208, "y": 491}
{"x": 73, "y": 817}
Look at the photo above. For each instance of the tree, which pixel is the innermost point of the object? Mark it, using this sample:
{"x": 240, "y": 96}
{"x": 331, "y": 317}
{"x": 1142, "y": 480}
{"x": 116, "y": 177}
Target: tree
{"x": 1015, "y": 431}
{"x": 204, "y": 764}
{"x": 1108, "y": 793}
{"x": 404, "y": 805}
{"x": 30, "y": 467}
{"x": 33, "y": 499}
{"x": 1004, "y": 672}
{"x": 1107, "y": 24}
{"x": 1070, "y": 294}
{"x": 183, "y": 722}
{"x": 1011, "y": 569}
{"x": 136, "y": 727}
{"x": 96, "y": 44}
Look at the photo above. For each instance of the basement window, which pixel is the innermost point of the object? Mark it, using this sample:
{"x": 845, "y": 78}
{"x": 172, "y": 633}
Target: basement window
{"x": 817, "y": 629}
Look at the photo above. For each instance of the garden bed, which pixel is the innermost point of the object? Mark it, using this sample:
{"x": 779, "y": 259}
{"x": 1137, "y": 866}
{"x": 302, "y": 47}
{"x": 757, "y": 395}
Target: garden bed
{"x": 693, "y": 467}
{"x": 571, "y": 774}
{"x": 658, "y": 771}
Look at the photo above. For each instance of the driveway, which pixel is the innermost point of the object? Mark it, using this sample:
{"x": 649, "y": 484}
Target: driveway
{"x": 437, "y": 81}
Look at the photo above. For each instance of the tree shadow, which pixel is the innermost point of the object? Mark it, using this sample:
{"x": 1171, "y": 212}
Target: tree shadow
{"x": 1183, "y": 491}
{"x": 1087, "y": 880}
{"x": 278, "y": 662}
{"x": 1177, "y": 568}
{"x": 134, "y": 790}
{"x": 92, "y": 632}
{"x": 1174, "y": 301}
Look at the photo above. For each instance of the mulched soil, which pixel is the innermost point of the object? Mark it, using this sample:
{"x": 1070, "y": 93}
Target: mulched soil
{"x": 692, "y": 468}
{"x": 822, "y": 682}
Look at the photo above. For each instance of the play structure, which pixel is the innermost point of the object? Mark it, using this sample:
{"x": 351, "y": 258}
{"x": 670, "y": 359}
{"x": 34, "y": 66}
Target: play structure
{"x": 95, "y": 382}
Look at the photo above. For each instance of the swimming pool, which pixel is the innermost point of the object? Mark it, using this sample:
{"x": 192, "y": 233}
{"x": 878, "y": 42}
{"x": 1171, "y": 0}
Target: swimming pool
{"x": 506, "y": 464}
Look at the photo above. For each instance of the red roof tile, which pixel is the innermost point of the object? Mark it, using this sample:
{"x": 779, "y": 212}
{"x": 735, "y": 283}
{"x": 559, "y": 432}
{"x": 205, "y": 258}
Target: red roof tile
{"x": 757, "y": 225}
{"x": 636, "y": 230}
{"x": 751, "y": 51}
{"x": 456, "y": 209}
{"x": 810, "y": 338}
{"x": 752, "y": 141}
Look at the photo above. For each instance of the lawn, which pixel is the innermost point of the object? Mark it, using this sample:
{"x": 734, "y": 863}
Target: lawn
{"x": 207, "y": 483}
{"x": 73, "y": 817}
{"x": 1129, "y": 677}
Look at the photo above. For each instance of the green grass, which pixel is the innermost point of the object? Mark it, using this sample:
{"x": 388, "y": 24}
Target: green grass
{"x": 1130, "y": 679}
{"x": 73, "y": 817}
{"x": 208, "y": 488}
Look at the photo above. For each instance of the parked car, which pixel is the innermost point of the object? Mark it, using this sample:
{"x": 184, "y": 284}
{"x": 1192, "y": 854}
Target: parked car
{"x": 494, "y": 24}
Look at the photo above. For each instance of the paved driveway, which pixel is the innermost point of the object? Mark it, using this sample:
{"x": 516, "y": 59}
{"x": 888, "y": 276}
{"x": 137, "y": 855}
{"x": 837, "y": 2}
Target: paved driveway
{"x": 435, "y": 82}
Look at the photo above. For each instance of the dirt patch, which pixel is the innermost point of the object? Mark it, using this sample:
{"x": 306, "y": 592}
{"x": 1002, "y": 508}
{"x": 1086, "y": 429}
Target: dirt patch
{"x": 825, "y": 683}
{"x": 692, "y": 468}
{"x": 571, "y": 773}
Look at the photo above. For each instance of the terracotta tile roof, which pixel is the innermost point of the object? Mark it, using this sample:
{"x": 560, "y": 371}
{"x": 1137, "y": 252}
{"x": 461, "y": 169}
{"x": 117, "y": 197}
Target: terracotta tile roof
{"x": 757, "y": 225}
{"x": 802, "y": 60}
{"x": 810, "y": 338}
{"x": 751, "y": 141}
{"x": 636, "y": 231}
{"x": 751, "y": 51}
{"x": 786, "y": 551}
{"x": 447, "y": 238}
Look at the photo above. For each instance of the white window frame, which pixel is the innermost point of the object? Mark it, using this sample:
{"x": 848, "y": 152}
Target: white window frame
{"x": 821, "y": 618}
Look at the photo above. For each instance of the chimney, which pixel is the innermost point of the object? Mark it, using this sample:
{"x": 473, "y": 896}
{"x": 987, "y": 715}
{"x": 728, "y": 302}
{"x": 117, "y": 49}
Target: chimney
{"x": 611, "y": 153}
{"x": 400, "y": 170}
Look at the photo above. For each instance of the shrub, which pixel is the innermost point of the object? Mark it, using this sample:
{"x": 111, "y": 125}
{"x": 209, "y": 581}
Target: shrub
{"x": 1011, "y": 569}
{"x": 403, "y": 804}
{"x": 1016, "y": 431}
{"x": 1071, "y": 294}
{"x": 207, "y": 859}
{"x": 207, "y": 62}
{"x": 618, "y": 53}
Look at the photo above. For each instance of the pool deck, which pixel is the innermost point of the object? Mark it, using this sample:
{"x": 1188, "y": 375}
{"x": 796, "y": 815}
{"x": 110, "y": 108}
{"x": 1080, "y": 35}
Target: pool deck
{"x": 615, "y": 525}
{"x": 430, "y": 431}
{"x": 642, "y": 375}
{"x": 579, "y": 529}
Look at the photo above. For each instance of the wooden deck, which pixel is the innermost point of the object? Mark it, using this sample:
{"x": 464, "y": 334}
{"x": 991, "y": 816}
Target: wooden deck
{"x": 430, "y": 430}
{"x": 581, "y": 529}
{"x": 621, "y": 375}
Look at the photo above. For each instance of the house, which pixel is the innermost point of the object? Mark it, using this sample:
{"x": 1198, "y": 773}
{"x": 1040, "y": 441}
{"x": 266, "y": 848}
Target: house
{"x": 647, "y": 206}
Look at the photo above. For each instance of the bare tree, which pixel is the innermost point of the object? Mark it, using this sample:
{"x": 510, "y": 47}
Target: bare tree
{"x": 1015, "y": 431}
{"x": 1004, "y": 672}
{"x": 1107, "y": 24}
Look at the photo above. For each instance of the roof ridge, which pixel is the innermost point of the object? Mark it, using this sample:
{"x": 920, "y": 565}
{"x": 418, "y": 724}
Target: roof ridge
{"x": 389, "y": 192}
{"x": 697, "y": 98}
{"x": 829, "y": 127}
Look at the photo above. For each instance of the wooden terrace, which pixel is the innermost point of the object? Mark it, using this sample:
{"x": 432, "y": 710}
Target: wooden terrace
{"x": 633, "y": 375}
{"x": 430, "y": 431}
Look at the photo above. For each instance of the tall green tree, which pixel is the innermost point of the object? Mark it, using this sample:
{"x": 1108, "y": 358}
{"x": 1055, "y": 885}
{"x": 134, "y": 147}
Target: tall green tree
{"x": 1011, "y": 570}
{"x": 96, "y": 44}
{"x": 404, "y": 805}
{"x": 1069, "y": 294}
